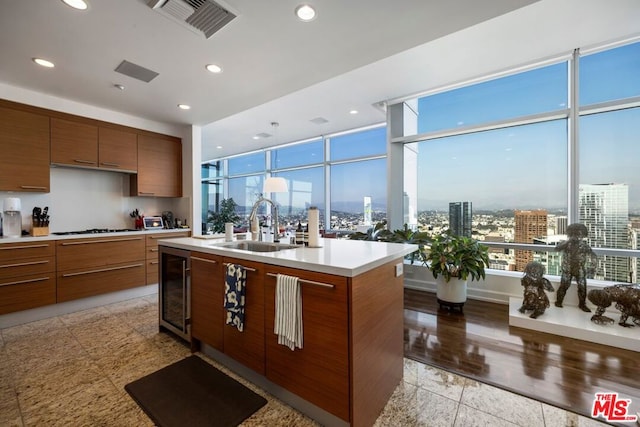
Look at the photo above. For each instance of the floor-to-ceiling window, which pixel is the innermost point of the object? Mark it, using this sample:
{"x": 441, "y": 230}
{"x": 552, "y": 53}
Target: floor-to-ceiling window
{"x": 609, "y": 178}
{"x": 343, "y": 175}
{"x": 508, "y": 147}
{"x": 358, "y": 171}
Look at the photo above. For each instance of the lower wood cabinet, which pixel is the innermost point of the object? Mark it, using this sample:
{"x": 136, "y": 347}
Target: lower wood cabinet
{"x": 248, "y": 346}
{"x": 319, "y": 372}
{"x": 27, "y": 275}
{"x": 207, "y": 296}
{"x": 87, "y": 267}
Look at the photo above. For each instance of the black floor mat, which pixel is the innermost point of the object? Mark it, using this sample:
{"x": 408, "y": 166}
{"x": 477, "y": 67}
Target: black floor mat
{"x": 193, "y": 393}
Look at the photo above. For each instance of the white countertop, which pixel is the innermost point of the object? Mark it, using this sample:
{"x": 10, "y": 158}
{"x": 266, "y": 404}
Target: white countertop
{"x": 335, "y": 256}
{"x": 25, "y": 239}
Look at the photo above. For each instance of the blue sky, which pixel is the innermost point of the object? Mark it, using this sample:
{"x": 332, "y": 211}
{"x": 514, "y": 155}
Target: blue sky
{"x": 526, "y": 166}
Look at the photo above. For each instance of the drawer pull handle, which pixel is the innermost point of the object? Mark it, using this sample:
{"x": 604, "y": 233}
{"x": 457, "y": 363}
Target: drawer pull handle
{"x": 84, "y": 162}
{"x": 101, "y": 270}
{"x": 23, "y": 264}
{"x": 146, "y": 193}
{"x": 33, "y": 187}
{"x": 20, "y": 282}
{"x": 23, "y": 247}
{"x": 153, "y": 250}
{"x": 206, "y": 260}
{"x": 87, "y": 242}
{"x": 153, "y": 262}
{"x": 309, "y": 282}
{"x": 246, "y": 268}
{"x": 115, "y": 165}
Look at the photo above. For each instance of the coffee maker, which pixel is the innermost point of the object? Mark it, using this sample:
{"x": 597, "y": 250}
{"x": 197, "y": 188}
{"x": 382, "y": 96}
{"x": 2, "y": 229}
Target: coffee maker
{"x": 11, "y": 217}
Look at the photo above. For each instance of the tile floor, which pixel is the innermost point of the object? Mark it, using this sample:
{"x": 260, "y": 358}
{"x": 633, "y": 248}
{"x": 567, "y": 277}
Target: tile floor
{"x": 71, "y": 370}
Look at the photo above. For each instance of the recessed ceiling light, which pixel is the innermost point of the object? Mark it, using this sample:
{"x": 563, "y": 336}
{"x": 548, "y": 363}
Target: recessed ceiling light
{"x": 255, "y": 137}
{"x": 353, "y": 111}
{"x": 219, "y": 147}
{"x": 44, "y": 62}
{"x": 216, "y": 69}
{"x": 118, "y": 86}
{"x": 76, "y": 4}
{"x": 184, "y": 106}
{"x": 305, "y": 12}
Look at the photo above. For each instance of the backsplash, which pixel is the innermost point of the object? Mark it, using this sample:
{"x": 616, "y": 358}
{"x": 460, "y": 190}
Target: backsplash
{"x": 82, "y": 199}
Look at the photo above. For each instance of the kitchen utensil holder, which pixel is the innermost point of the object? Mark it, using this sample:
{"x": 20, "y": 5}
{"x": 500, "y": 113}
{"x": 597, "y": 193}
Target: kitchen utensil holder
{"x": 39, "y": 231}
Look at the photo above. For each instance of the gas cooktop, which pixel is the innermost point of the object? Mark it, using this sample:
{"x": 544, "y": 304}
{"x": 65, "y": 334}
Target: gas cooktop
{"x": 95, "y": 231}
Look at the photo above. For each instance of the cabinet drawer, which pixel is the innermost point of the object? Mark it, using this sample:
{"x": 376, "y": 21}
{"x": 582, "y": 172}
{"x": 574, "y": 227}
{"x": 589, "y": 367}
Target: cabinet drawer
{"x": 319, "y": 372}
{"x": 152, "y": 271}
{"x": 81, "y": 283}
{"x": 13, "y": 251}
{"x": 152, "y": 252}
{"x": 34, "y": 290}
{"x": 25, "y": 267}
{"x": 152, "y": 239}
{"x": 106, "y": 251}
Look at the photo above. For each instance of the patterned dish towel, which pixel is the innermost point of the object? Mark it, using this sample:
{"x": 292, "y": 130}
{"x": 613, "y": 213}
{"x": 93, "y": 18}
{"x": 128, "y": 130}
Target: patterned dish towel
{"x": 288, "y": 321}
{"x": 234, "y": 291}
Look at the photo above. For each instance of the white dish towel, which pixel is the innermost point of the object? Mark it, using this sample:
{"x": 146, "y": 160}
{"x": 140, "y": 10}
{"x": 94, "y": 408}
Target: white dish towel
{"x": 288, "y": 321}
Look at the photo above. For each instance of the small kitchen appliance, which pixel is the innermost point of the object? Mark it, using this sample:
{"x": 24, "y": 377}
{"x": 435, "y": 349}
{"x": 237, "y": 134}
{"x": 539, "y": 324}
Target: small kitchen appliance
{"x": 12, "y": 217}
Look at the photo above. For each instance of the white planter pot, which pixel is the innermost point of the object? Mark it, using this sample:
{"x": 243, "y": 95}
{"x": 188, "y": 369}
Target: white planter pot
{"x": 454, "y": 291}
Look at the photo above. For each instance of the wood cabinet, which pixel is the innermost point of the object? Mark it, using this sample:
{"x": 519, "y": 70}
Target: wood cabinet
{"x": 27, "y": 275}
{"x": 207, "y": 299}
{"x": 117, "y": 150}
{"x": 24, "y": 151}
{"x": 319, "y": 372}
{"x": 159, "y": 167}
{"x": 151, "y": 251}
{"x": 93, "y": 266}
{"x": 248, "y": 346}
{"x": 74, "y": 143}
{"x": 80, "y": 144}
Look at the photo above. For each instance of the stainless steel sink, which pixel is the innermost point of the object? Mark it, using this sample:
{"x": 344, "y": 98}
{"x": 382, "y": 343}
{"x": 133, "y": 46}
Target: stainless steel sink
{"x": 253, "y": 246}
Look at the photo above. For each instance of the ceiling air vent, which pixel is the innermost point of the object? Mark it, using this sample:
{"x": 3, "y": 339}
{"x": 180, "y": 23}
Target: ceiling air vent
{"x": 200, "y": 16}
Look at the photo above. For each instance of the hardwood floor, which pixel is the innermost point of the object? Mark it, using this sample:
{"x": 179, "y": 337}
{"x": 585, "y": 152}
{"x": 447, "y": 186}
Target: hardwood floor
{"x": 481, "y": 345}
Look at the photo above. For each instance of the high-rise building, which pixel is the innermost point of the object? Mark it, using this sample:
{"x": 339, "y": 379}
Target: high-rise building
{"x": 460, "y": 214}
{"x": 530, "y": 225}
{"x": 561, "y": 224}
{"x": 604, "y": 209}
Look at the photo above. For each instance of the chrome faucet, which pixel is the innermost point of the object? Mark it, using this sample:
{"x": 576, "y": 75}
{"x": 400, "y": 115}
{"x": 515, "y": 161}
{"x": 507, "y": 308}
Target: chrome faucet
{"x": 254, "y": 211}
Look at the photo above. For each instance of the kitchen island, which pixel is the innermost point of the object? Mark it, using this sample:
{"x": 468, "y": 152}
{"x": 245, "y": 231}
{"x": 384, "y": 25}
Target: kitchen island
{"x": 352, "y": 311}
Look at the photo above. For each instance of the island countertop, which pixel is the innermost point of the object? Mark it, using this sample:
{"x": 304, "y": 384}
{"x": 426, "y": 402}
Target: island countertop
{"x": 341, "y": 257}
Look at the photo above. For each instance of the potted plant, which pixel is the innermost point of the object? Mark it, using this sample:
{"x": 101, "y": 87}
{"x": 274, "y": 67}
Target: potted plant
{"x": 452, "y": 260}
{"x": 226, "y": 213}
{"x": 379, "y": 233}
{"x": 407, "y": 235}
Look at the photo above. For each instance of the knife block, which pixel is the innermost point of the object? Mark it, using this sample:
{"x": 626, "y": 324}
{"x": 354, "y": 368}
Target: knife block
{"x": 39, "y": 231}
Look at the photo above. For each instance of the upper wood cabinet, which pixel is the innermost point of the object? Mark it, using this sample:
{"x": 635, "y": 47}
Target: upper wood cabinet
{"x": 87, "y": 145}
{"x": 74, "y": 143}
{"x": 24, "y": 151}
{"x": 159, "y": 167}
{"x": 117, "y": 150}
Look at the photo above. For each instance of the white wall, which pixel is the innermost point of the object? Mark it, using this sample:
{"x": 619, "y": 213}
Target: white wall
{"x": 85, "y": 198}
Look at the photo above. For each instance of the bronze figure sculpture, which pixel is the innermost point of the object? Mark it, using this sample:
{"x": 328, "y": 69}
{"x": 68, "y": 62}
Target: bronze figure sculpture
{"x": 535, "y": 299}
{"x": 578, "y": 259}
{"x": 627, "y": 299}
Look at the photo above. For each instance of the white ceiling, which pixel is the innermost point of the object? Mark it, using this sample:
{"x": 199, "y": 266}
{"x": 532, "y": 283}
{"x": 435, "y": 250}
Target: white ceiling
{"x": 355, "y": 54}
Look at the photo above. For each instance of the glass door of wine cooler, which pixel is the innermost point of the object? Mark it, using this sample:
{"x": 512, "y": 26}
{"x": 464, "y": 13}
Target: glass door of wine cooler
{"x": 174, "y": 290}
